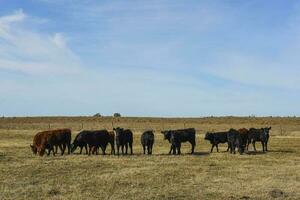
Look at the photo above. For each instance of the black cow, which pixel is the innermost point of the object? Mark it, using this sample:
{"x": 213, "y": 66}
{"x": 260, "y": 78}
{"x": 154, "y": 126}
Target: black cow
{"x": 261, "y": 135}
{"x": 237, "y": 139}
{"x": 94, "y": 140}
{"x": 147, "y": 140}
{"x": 124, "y": 138}
{"x": 80, "y": 141}
{"x": 232, "y": 137}
{"x": 176, "y": 137}
{"x": 216, "y": 138}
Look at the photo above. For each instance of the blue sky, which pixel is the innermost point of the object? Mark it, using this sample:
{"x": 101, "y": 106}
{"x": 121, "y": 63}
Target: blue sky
{"x": 149, "y": 58}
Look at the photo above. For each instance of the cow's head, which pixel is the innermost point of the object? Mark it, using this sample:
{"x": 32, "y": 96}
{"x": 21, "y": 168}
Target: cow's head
{"x": 167, "y": 135}
{"x": 208, "y": 136}
{"x": 118, "y": 131}
{"x": 41, "y": 151}
{"x": 267, "y": 130}
{"x": 73, "y": 147}
{"x": 33, "y": 149}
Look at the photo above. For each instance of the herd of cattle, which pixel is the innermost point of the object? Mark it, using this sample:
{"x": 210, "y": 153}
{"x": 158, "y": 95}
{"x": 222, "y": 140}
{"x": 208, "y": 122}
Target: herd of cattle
{"x": 123, "y": 138}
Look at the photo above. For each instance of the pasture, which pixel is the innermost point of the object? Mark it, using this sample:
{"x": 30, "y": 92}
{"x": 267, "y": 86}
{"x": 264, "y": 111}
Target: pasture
{"x": 159, "y": 176}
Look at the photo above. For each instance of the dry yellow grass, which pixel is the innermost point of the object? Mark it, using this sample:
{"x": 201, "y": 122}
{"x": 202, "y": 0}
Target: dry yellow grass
{"x": 160, "y": 176}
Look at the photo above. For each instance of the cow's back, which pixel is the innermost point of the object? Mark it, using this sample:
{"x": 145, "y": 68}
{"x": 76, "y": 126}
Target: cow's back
{"x": 128, "y": 135}
{"x": 220, "y": 137}
{"x": 147, "y": 138}
{"x": 63, "y": 136}
{"x": 101, "y": 137}
{"x": 184, "y": 135}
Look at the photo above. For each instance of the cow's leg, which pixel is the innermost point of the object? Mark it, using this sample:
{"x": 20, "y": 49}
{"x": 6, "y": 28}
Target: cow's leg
{"x": 171, "y": 148}
{"x": 178, "y": 148}
{"x": 81, "y": 147}
{"x": 233, "y": 149}
{"x": 60, "y": 148}
{"x": 52, "y": 148}
{"x": 193, "y": 147}
{"x": 253, "y": 142}
{"x": 217, "y": 147}
{"x": 103, "y": 149}
{"x": 122, "y": 148}
{"x": 49, "y": 151}
{"x": 227, "y": 147}
{"x": 130, "y": 146}
{"x": 148, "y": 149}
{"x": 112, "y": 152}
{"x": 118, "y": 149}
{"x": 63, "y": 149}
{"x": 248, "y": 142}
{"x": 90, "y": 149}
{"x": 126, "y": 148}
{"x": 69, "y": 148}
{"x": 266, "y": 145}
{"x": 86, "y": 149}
{"x": 263, "y": 146}
{"x": 144, "y": 149}
{"x": 174, "y": 149}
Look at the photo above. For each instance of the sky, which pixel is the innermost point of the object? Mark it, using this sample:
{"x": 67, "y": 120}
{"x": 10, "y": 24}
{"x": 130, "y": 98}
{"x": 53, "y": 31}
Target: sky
{"x": 167, "y": 58}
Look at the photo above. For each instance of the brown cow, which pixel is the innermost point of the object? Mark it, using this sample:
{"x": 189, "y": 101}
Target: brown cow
{"x": 237, "y": 139}
{"x": 50, "y": 139}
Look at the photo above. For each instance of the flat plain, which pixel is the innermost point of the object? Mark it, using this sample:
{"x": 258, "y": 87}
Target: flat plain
{"x": 204, "y": 175}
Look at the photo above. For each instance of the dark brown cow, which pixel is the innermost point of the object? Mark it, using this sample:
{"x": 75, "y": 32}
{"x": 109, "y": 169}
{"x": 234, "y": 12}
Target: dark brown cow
{"x": 242, "y": 140}
{"x": 237, "y": 139}
{"x": 261, "y": 135}
{"x": 50, "y": 139}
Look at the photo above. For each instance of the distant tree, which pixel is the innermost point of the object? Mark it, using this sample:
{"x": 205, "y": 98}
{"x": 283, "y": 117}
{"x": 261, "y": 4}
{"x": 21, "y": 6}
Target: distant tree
{"x": 97, "y": 115}
{"x": 117, "y": 115}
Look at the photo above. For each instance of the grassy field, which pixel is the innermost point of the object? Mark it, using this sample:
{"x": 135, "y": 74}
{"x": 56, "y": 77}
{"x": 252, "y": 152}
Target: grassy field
{"x": 160, "y": 176}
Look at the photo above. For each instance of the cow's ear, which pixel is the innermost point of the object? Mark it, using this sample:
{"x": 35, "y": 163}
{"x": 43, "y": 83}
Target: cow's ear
{"x": 270, "y": 128}
{"x": 31, "y": 146}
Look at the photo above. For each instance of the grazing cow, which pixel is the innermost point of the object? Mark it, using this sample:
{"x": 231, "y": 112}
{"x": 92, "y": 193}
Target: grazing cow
{"x": 50, "y": 139}
{"x": 176, "y": 137}
{"x": 124, "y": 138}
{"x": 232, "y": 137}
{"x": 94, "y": 140}
{"x": 261, "y": 135}
{"x": 147, "y": 140}
{"x": 112, "y": 142}
{"x": 242, "y": 139}
{"x": 237, "y": 139}
{"x": 216, "y": 138}
{"x": 80, "y": 142}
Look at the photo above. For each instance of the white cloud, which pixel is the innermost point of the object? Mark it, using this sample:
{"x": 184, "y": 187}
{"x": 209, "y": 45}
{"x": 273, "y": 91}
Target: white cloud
{"x": 27, "y": 51}
{"x": 17, "y": 16}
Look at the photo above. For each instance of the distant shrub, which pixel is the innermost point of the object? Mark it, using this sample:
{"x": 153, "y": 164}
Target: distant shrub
{"x": 97, "y": 115}
{"x": 117, "y": 115}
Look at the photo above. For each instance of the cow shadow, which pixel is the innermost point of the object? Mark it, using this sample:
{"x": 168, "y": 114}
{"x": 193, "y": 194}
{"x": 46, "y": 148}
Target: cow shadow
{"x": 282, "y": 151}
{"x": 255, "y": 153}
{"x": 200, "y": 154}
